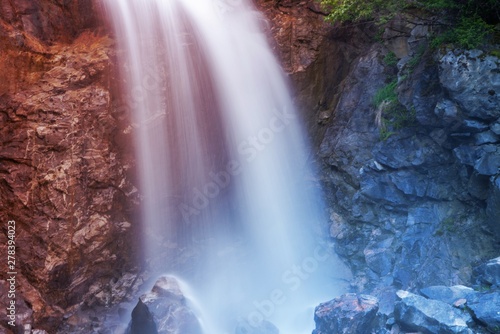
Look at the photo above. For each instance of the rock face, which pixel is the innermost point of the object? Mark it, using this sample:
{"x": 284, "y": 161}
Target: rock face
{"x": 350, "y": 313}
{"x": 64, "y": 162}
{"x": 316, "y": 55}
{"x": 415, "y": 189}
{"x": 170, "y": 308}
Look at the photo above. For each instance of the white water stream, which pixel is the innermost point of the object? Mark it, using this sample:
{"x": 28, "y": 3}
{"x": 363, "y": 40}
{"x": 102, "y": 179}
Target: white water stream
{"x": 223, "y": 163}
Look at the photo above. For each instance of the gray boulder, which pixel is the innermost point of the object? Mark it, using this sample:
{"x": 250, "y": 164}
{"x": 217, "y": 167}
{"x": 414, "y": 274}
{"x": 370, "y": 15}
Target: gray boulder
{"x": 487, "y": 310}
{"x": 416, "y": 313}
{"x": 347, "y": 314}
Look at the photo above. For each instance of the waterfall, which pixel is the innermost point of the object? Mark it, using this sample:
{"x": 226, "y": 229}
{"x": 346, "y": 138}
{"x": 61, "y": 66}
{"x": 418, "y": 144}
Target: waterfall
{"x": 223, "y": 165}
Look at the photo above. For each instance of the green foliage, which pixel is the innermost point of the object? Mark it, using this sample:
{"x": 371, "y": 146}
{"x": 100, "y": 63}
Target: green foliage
{"x": 468, "y": 33}
{"x": 390, "y": 59}
{"x": 393, "y": 116}
{"x": 471, "y": 32}
{"x": 386, "y": 94}
{"x": 357, "y": 10}
{"x": 470, "y": 21}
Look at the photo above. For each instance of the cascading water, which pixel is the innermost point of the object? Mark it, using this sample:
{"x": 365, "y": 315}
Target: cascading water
{"x": 223, "y": 164}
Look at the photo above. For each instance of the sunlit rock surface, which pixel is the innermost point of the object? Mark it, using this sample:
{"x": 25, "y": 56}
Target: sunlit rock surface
{"x": 64, "y": 162}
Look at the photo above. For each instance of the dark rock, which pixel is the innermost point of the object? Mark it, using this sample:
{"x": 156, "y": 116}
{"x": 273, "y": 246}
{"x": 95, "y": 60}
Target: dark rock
{"x": 421, "y": 92}
{"x": 410, "y": 150}
{"x": 487, "y": 310}
{"x": 350, "y": 313}
{"x": 478, "y": 186}
{"x": 489, "y": 272}
{"x": 416, "y": 313}
{"x": 142, "y": 320}
{"x": 493, "y": 206}
{"x": 170, "y": 308}
{"x": 449, "y": 295}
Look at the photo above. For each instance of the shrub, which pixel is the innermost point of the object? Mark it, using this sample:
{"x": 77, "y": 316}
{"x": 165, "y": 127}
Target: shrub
{"x": 470, "y": 21}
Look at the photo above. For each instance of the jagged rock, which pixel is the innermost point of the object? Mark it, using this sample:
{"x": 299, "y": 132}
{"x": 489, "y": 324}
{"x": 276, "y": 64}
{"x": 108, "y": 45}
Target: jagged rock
{"x": 65, "y": 161}
{"x": 142, "y": 320}
{"x": 170, "y": 308}
{"x": 410, "y": 150}
{"x": 471, "y": 79}
{"x": 487, "y": 310}
{"x": 448, "y": 295}
{"x": 350, "y": 313}
{"x": 488, "y": 137}
{"x": 416, "y": 313}
{"x": 448, "y": 112}
{"x": 489, "y": 272}
{"x": 378, "y": 256}
{"x": 489, "y": 161}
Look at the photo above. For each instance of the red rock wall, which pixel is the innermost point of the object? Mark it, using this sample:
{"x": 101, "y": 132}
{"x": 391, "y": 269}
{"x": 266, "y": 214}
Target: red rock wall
{"x": 65, "y": 160}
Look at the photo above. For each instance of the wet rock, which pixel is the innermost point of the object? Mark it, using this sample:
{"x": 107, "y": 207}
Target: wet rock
{"x": 416, "y": 313}
{"x": 142, "y": 320}
{"x": 170, "y": 308}
{"x": 489, "y": 272}
{"x": 487, "y": 310}
{"x": 350, "y": 313}
{"x": 448, "y": 295}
